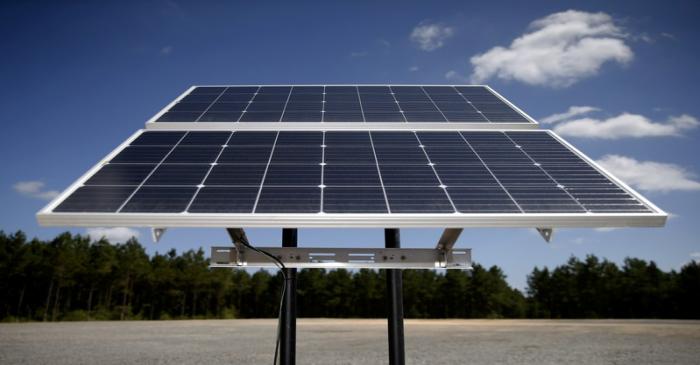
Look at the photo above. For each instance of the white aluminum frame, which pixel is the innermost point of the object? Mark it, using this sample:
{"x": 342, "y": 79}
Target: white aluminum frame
{"x": 335, "y": 126}
{"x": 656, "y": 218}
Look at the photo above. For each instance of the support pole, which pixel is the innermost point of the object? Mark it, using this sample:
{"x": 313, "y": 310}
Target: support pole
{"x": 288, "y": 337}
{"x": 394, "y": 291}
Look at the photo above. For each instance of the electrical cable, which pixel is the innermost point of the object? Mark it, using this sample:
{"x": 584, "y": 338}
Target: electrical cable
{"x": 282, "y": 268}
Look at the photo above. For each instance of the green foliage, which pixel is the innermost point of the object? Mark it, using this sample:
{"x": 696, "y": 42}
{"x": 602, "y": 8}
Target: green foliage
{"x": 599, "y": 289}
{"x": 76, "y": 315}
{"x": 70, "y": 278}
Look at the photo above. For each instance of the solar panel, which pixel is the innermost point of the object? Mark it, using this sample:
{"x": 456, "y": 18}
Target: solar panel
{"x": 349, "y": 178}
{"x": 328, "y": 107}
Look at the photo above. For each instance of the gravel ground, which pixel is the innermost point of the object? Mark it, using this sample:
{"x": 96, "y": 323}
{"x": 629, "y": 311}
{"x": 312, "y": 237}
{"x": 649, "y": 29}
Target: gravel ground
{"x": 353, "y": 341}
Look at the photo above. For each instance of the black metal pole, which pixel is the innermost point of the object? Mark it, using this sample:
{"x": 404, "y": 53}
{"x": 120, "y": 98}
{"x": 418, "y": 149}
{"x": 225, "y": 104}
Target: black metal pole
{"x": 288, "y": 337}
{"x": 394, "y": 291}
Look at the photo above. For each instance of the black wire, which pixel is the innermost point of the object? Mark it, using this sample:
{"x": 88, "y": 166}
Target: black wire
{"x": 282, "y": 268}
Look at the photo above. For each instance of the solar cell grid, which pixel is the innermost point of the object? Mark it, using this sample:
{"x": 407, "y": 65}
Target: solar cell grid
{"x": 342, "y": 104}
{"x": 212, "y": 199}
{"x": 236, "y": 175}
{"x": 348, "y": 172}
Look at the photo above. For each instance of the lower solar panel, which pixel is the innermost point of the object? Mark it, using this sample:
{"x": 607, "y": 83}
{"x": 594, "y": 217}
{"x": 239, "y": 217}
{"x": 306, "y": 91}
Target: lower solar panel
{"x": 331, "y": 175}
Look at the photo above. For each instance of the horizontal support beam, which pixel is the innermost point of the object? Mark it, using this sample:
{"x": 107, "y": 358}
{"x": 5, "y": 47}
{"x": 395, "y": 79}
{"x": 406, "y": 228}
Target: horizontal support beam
{"x": 348, "y": 258}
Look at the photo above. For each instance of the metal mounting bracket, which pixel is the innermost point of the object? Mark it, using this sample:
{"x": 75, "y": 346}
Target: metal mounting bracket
{"x": 448, "y": 239}
{"x": 546, "y": 233}
{"x": 352, "y": 258}
{"x": 157, "y": 233}
{"x": 239, "y": 239}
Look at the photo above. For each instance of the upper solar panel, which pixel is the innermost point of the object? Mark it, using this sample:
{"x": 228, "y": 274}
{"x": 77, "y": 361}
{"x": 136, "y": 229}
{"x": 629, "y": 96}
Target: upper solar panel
{"x": 349, "y": 178}
{"x": 340, "y": 107}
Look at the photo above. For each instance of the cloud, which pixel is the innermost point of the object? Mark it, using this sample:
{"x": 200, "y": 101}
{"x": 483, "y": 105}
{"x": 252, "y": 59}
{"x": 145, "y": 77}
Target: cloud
{"x": 626, "y": 125}
{"x": 557, "y": 51}
{"x": 166, "y": 50}
{"x": 430, "y": 37}
{"x": 358, "y": 54}
{"x": 453, "y": 75}
{"x": 114, "y": 234}
{"x": 414, "y": 68}
{"x": 695, "y": 257}
{"x": 35, "y": 189}
{"x": 384, "y": 43}
{"x": 650, "y": 175}
{"x": 668, "y": 35}
{"x": 572, "y": 112}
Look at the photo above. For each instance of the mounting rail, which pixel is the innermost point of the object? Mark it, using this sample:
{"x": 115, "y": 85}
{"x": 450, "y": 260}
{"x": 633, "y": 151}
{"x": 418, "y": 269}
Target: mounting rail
{"x": 348, "y": 258}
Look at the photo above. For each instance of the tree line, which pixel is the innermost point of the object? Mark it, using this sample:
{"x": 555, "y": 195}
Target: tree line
{"x": 72, "y": 277}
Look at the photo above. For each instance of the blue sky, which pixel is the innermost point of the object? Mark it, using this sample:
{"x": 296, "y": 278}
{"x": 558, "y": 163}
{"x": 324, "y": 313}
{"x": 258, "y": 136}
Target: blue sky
{"x": 78, "y": 78}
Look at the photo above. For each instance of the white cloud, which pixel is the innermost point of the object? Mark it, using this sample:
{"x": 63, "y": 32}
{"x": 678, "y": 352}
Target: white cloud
{"x": 166, "y": 50}
{"x": 430, "y": 37}
{"x": 668, "y": 35}
{"x": 559, "y": 50}
{"x": 414, "y": 68}
{"x": 572, "y": 112}
{"x": 650, "y": 175}
{"x": 626, "y": 125}
{"x": 455, "y": 76}
{"x": 695, "y": 256}
{"x": 114, "y": 234}
{"x": 384, "y": 43}
{"x": 358, "y": 54}
{"x": 35, "y": 189}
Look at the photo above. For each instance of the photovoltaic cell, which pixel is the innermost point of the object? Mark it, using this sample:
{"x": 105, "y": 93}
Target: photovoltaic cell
{"x": 237, "y": 154}
{"x": 287, "y": 175}
{"x": 161, "y": 199}
{"x": 418, "y": 200}
{"x": 236, "y": 174}
{"x": 193, "y": 154}
{"x": 354, "y": 200}
{"x": 142, "y": 154}
{"x": 476, "y": 172}
{"x": 351, "y": 175}
{"x": 212, "y": 199}
{"x": 289, "y": 200}
{"x": 95, "y": 199}
{"x": 121, "y": 174}
{"x": 178, "y": 174}
{"x": 482, "y": 199}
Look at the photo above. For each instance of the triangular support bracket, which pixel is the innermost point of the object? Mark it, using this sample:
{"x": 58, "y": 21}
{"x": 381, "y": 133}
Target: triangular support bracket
{"x": 546, "y": 233}
{"x": 157, "y": 233}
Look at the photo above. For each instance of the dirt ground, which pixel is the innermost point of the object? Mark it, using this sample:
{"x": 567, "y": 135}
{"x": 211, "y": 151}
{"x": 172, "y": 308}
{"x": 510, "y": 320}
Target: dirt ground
{"x": 353, "y": 341}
